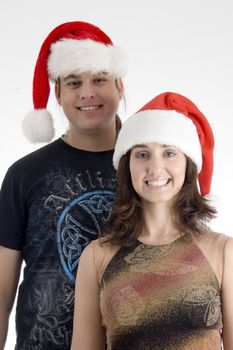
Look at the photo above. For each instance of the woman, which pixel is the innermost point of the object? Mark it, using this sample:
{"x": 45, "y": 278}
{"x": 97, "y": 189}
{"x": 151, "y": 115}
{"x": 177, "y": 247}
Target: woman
{"x": 160, "y": 278}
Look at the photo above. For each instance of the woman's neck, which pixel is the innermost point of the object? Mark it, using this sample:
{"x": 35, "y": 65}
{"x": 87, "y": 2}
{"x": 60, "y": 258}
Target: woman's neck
{"x": 159, "y": 227}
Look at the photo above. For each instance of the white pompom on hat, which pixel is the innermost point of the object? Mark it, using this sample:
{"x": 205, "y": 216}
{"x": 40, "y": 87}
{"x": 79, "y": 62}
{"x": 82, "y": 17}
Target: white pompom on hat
{"x": 70, "y": 48}
{"x": 171, "y": 119}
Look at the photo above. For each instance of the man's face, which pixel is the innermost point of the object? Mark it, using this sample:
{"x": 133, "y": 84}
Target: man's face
{"x": 90, "y": 102}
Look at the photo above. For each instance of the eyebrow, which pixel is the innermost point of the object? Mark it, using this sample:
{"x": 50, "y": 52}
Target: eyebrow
{"x": 72, "y": 76}
{"x": 142, "y": 145}
{"x": 78, "y": 76}
{"x": 100, "y": 73}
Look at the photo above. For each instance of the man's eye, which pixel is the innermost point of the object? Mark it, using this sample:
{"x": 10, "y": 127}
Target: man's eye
{"x": 73, "y": 83}
{"x": 99, "y": 80}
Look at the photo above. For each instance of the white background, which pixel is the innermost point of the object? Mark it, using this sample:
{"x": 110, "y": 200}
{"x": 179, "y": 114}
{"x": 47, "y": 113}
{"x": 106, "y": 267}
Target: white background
{"x": 184, "y": 46}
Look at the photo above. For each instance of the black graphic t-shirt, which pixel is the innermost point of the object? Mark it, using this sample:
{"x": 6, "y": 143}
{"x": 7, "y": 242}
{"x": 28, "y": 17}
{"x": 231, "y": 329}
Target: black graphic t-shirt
{"x": 53, "y": 202}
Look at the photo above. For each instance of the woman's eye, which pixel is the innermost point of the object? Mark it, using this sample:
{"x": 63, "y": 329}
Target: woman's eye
{"x": 142, "y": 155}
{"x": 169, "y": 153}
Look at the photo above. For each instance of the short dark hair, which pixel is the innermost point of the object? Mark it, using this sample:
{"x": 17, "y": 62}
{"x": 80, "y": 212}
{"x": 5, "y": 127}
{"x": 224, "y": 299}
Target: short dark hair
{"x": 192, "y": 212}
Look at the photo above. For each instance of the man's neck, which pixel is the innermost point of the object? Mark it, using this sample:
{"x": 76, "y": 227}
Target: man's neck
{"x": 91, "y": 142}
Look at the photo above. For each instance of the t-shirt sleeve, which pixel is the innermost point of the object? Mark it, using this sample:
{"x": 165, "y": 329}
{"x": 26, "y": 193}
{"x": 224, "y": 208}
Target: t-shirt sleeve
{"x": 12, "y": 211}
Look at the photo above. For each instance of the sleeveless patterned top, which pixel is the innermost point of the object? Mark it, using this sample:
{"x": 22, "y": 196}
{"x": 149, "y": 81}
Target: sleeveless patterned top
{"x": 163, "y": 297}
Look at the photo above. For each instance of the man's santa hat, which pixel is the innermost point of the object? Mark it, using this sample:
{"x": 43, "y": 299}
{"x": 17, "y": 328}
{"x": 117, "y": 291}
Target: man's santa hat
{"x": 171, "y": 119}
{"x": 71, "y": 48}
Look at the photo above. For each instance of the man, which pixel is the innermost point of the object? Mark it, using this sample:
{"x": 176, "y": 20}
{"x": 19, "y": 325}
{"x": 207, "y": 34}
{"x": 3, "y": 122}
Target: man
{"x": 54, "y": 201}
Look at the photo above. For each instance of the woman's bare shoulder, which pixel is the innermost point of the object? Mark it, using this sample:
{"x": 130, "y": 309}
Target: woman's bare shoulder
{"x": 213, "y": 239}
{"x": 103, "y": 252}
{"x": 214, "y": 246}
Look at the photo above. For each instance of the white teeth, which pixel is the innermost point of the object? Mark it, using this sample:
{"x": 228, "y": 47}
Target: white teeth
{"x": 88, "y": 108}
{"x": 157, "y": 183}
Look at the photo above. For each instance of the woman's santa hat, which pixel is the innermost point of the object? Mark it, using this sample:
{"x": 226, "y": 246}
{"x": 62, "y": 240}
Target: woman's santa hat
{"x": 71, "y": 48}
{"x": 171, "y": 119}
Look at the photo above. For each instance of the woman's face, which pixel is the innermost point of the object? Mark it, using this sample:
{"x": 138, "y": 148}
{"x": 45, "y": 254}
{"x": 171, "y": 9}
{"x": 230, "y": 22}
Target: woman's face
{"x": 157, "y": 172}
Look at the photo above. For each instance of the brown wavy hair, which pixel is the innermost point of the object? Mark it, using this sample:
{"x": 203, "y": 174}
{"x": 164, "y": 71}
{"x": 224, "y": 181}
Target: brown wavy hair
{"x": 192, "y": 212}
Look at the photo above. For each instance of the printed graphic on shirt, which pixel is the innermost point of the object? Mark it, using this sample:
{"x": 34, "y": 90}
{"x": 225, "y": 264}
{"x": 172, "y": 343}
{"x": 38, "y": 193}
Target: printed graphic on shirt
{"x": 80, "y": 223}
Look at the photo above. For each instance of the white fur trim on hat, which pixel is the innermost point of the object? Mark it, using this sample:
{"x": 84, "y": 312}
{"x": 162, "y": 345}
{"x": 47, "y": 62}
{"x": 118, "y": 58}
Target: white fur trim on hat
{"x": 70, "y": 56}
{"x": 160, "y": 126}
{"x": 214, "y": 200}
{"x": 38, "y": 126}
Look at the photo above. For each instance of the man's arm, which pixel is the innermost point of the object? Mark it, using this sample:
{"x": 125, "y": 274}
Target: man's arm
{"x": 10, "y": 266}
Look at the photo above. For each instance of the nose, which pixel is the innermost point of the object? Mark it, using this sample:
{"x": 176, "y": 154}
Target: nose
{"x": 86, "y": 91}
{"x": 155, "y": 164}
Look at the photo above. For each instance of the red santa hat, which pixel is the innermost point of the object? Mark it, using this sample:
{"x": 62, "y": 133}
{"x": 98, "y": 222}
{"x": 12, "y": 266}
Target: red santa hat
{"x": 71, "y": 48}
{"x": 171, "y": 119}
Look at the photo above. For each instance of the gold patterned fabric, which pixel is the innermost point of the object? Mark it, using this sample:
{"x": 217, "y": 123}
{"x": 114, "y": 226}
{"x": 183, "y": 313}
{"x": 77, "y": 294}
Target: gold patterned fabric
{"x": 163, "y": 297}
